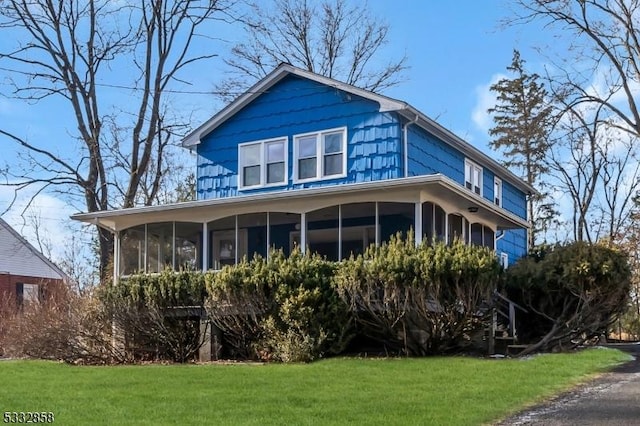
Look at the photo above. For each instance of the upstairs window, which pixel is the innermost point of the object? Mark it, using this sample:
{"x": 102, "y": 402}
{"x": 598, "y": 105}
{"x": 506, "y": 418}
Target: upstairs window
{"x": 320, "y": 155}
{"x": 497, "y": 191}
{"x": 473, "y": 177}
{"x": 262, "y": 163}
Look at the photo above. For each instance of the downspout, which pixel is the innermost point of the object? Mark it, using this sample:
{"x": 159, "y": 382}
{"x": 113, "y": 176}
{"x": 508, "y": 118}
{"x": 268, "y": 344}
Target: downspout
{"x": 405, "y": 137}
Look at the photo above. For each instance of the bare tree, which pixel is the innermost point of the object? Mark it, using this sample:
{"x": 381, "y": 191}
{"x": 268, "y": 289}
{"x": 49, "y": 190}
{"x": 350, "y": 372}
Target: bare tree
{"x": 331, "y": 38}
{"x": 604, "y": 67}
{"x": 76, "y": 51}
{"x": 595, "y": 84}
{"x": 576, "y": 161}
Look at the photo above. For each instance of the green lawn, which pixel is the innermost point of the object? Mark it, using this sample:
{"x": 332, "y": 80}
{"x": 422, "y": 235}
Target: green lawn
{"x": 444, "y": 391}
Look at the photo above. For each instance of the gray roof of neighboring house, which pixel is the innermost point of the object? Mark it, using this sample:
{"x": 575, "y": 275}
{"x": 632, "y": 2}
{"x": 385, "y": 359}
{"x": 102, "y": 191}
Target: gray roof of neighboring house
{"x": 19, "y": 257}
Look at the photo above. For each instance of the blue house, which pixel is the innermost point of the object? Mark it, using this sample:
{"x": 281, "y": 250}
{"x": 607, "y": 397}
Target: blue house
{"x": 301, "y": 159}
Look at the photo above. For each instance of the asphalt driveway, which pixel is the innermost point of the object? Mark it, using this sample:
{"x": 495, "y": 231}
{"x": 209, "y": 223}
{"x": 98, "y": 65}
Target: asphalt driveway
{"x": 611, "y": 399}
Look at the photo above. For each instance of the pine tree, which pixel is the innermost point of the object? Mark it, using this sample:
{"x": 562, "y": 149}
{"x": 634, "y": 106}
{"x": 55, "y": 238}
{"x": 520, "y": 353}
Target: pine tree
{"x": 522, "y": 119}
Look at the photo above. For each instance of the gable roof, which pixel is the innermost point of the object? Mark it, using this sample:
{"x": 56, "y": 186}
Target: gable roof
{"x": 386, "y": 104}
{"x": 19, "y": 257}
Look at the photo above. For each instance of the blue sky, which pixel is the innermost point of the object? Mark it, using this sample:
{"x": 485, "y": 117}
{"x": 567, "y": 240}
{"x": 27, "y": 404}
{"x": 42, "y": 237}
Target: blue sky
{"x": 455, "y": 51}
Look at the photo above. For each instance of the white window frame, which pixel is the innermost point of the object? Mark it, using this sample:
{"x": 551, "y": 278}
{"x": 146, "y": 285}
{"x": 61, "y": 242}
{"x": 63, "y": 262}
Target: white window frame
{"x": 263, "y": 162}
{"x": 504, "y": 260}
{"x": 30, "y": 293}
{"x": 470, "y": 168}
{"x": 320, "y": 155}
{"x": 497, "y": 187}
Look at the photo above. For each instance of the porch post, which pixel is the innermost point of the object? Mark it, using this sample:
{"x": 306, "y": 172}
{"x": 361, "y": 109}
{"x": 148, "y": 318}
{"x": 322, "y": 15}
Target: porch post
{"x": 418, "y": 224}
{"x": 446, "y": 227}
{"x": 377, "y": 225}
{"x": 268, "y": 236}
{"x": 339, "y": 232}
{"x": 173, "y": 247}
{"x": 303, "y": 232}
{"x": 236, "y": 253}
{"x": 205, "y": 247}
{"x": 146, "y": 247}
{"x": 116, "y": 257}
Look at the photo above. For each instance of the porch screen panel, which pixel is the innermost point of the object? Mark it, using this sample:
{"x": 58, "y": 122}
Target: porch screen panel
{"x": 489, "y": 238}
{"x": 255, "y": 227}
{"x": 188, "y": 240}
{"x": 396, "y": 218}
{"x": 456, "y": 228}
{"x": 323, "y": 233}
{"x": 358, "y": 228}
{"x": 427, "y": 221}
{"x": 132, "y": 252}
{"x": 222, "y": 242}
{"x": 159, "y": 246}
{"x": 476, "y": 234}
{"x": 439, "y": 221}
{"x": 284, "y": 231}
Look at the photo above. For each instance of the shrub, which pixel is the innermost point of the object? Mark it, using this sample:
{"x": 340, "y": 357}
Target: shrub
{"x": 239, "y": 298}
{"x": 158, "y": 315}
{"x": 70, "y": 327}
{"x": 419, "y": 300}
{"x": 283, "y": 308}
{"x": 310, "y": 319}
{"x": 573, "y": 293}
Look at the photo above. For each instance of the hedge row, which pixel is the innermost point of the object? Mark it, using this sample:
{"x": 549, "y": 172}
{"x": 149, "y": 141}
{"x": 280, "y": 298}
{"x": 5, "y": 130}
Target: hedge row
{"x": 412, "y": 300}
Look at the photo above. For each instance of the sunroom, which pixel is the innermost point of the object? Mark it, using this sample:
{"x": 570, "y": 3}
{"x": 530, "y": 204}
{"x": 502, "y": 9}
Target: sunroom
{"x": 333, "y": 221}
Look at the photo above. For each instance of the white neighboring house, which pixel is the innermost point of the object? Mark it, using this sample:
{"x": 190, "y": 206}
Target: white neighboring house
{"x": 26, "y": 275}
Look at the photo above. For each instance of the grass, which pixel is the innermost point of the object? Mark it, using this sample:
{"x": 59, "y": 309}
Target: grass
{"x": 452, "y": 390}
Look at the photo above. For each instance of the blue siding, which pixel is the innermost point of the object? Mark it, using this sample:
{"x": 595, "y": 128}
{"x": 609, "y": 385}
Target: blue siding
{"x": 374, "y": 150}
{"x": 487, "y": 184}
{"x": 429, "y": 155}
{"x": 514, "y": 243}
{"x": 295, "y": 106}
{"x": 514, "y": 200}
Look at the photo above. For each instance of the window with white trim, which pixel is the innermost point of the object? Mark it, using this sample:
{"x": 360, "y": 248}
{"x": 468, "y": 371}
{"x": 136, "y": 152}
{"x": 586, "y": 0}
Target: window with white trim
{"x": 473, "y": 177}
{"x": 262, "y": 163}
{"x": 504, "y": 260}
{"x": 497, "y": 191}
{"x": 320, "y": 155}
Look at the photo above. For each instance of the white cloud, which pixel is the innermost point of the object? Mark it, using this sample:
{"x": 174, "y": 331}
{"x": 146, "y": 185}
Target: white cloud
{"x": 51, "y": 215}
{"x": 485, "y": 99}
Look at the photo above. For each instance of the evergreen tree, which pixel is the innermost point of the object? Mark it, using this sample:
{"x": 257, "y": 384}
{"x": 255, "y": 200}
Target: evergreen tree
{"x": 522, "y": 123}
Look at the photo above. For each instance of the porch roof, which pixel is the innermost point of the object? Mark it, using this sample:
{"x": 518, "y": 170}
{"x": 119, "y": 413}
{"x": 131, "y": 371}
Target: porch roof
{"x": 435, "y": 188}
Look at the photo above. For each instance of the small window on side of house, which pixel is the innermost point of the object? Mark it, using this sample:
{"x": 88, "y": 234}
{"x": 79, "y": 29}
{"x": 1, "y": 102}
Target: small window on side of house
{"x": 497, "y": 191}
{"x": 473, "y": 177}
{"x": 504, "y": 260}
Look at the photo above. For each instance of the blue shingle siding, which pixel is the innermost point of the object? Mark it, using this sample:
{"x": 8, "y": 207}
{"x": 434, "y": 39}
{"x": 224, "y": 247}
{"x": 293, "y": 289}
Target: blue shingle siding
{"x": 487, "y": 184}
{"x": 295, "y": 106}
{"x": 375, "y": 148}
{"x": 429, "y": 155}
{"x": 514, "y": 243}
{"x": 514, "y": 200}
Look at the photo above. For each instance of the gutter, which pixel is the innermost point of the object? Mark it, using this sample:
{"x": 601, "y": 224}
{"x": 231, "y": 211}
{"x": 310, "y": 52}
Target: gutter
{"x": 405, "y": 136}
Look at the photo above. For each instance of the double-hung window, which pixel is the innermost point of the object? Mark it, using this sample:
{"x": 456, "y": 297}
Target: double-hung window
{"x": 262, "y": 163}
{"x": 320, "y": 155}
{"x": 497, "y": 191}
{"x": 473, "y": 177}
